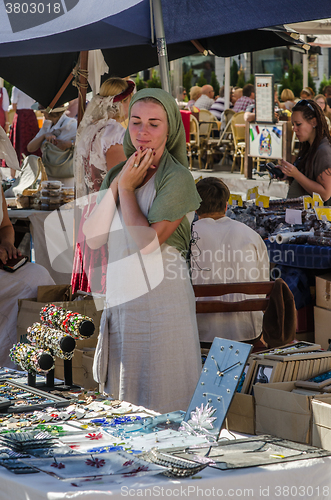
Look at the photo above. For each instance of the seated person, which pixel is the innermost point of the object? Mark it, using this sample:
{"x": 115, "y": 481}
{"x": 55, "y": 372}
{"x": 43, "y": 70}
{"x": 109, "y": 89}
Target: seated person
{"x": 22, "y": 284}
{"x": 219, "y": 105}
{"x": 206, "y": 100}
{"x": 246, "y": 100}
{"x": 56, "y": 139}
{"x": 226, "y": 251}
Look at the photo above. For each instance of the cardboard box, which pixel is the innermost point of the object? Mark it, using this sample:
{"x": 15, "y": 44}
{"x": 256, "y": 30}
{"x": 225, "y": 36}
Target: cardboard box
{"x": 241, "y": 414}
{"x": 321, "y": 431}
{"x": 323, "y": 291}
{"x": 322, "y": 319}
{"x": 282, "y": 413}
{"x": 29, "y": 311}
{"x": 82, "y": 363}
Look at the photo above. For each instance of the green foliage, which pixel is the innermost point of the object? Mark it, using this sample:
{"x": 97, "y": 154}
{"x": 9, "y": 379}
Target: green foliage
{"x": 311, "y": 82}
{"x": 215, "y": 83}
{"x": 140, "y": 83}
{"x": 234, "y": 73}
{"x": 8, "y": 86}
{"x": 241, "y": 79}
{"x": 293, "y": 80}
{"x": 323, "y": 84}
{"x": 201, "y": 80}
{"x": 155, "y": 81}
{"x": 187, "y": 80}
{"x": 251, "y": 80}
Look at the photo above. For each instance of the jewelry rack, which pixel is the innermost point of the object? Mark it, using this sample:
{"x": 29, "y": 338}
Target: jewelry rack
{"x": 56, "y": 335}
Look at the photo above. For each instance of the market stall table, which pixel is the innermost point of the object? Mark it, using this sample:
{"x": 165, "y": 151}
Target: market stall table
{"x": 301, "y": 479}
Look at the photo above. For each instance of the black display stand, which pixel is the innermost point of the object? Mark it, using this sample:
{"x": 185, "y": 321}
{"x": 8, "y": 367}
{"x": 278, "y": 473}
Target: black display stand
{"x": 49, "y": 384}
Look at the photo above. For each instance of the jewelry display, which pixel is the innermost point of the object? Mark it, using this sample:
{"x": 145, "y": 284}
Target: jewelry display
{"x": 42, "y": 336}
{"x": 75, "y": 324}
{"x": 31, "y": 358}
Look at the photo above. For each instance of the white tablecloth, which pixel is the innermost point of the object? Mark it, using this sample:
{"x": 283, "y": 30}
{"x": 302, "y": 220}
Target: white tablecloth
{"x": 306, "y": 479}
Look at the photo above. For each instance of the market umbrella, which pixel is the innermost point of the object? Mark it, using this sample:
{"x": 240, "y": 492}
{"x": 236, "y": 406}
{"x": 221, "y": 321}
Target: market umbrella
{"x": 41, "y": 76}
{"x": 80, "y": 25}
{"x": 93, "y": 24}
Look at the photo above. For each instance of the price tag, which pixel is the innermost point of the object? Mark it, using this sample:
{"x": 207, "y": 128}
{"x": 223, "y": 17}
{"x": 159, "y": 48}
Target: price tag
{"x": 317, "y": 200}
{"x": 236, "y": 200}
{"x": 252, "y": 193}
{"x": 262, "y": 201}
{"x": 293, "y": 216}
{"x": 323, "y": 213}
{"x": 307, "y": 202}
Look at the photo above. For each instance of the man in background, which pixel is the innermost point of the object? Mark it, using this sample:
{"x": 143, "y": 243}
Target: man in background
{"x": 207, "y": 98}
{"x": 246, "y": 100}
{"x": 226, "y": 251}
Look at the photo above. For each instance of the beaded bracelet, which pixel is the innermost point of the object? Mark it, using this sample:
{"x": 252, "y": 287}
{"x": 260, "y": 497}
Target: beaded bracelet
{"x": 42, "y": 337}
{"x": 75, "y": 324}
{"x": 31, "y": 359}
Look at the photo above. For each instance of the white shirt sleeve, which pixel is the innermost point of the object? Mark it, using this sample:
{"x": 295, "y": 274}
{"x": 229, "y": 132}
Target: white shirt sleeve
{"x": 5, "y": 99}
{"x": 14, "y": 95}
{"x": 113, "y": 134}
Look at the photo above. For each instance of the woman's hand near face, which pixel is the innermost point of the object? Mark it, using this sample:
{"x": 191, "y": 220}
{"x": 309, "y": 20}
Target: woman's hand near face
{"x": 135, "y": 170}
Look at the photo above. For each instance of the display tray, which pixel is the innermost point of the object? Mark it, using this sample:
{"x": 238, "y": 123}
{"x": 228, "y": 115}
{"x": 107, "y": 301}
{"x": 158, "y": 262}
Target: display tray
{"x": 23, "y": 398}
{"x": 249, "y": 452}
{"x": 304, "y": 256}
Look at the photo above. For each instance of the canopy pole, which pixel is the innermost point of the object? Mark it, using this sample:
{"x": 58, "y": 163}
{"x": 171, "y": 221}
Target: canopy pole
{"x": 161, "y": 45}
{"x": 59, "y": 93}
{"x": 82, "y": 85}
{"x": 305, "y": 65}
{"x": 227, "y": 82}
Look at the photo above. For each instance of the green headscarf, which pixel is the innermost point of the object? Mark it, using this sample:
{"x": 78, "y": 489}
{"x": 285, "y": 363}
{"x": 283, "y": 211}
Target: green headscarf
{"x": 176, "y": 194}
{"x": 176, "y": 143}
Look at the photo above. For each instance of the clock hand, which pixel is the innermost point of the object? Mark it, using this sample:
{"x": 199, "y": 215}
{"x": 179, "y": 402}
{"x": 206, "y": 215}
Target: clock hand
{"x": 230, "y": 368}
{"x": 218, "y": 368}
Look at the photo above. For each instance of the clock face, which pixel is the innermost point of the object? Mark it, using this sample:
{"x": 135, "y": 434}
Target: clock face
{"x": 218, "y": 382}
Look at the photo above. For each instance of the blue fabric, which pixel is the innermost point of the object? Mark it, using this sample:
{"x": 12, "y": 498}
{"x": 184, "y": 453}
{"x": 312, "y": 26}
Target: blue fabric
{"x": 297, "y": 281}
{"x": 303, "y": 256}
{"x": 92, "y": 24}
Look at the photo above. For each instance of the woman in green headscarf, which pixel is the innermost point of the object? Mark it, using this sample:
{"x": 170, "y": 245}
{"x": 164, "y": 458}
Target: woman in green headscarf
{"x": 148, "y": 348}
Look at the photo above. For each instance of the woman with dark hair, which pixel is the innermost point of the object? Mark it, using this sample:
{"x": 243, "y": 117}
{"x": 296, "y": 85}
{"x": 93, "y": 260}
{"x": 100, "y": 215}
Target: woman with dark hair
{"x": 311, "y": 172}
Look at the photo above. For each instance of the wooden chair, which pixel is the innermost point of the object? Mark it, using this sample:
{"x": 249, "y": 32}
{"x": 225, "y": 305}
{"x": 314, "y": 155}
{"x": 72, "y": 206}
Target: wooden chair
{"x": 208, "y": 124}
{"x": 226, "y": 140}
{"x": 219, "y": 306}
{"x": 238, "y": 131}
{"x": 193, "y": 147}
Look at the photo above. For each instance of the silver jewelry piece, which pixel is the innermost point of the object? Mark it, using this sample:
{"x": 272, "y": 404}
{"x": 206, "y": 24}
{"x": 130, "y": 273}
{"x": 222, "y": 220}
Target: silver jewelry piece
{"x": 136, "y": 165}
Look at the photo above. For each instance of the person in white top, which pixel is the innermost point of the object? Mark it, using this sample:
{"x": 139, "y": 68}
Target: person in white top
{"x": 56, "y": 139}
{"x": 226, "y": 251}
{"x": 24, "y": 126}
{"x": 20, "y": 100}
{"x": 99, "y": 147}
{"x": 4, "y": 105}
{"x": 206, "y": 100}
